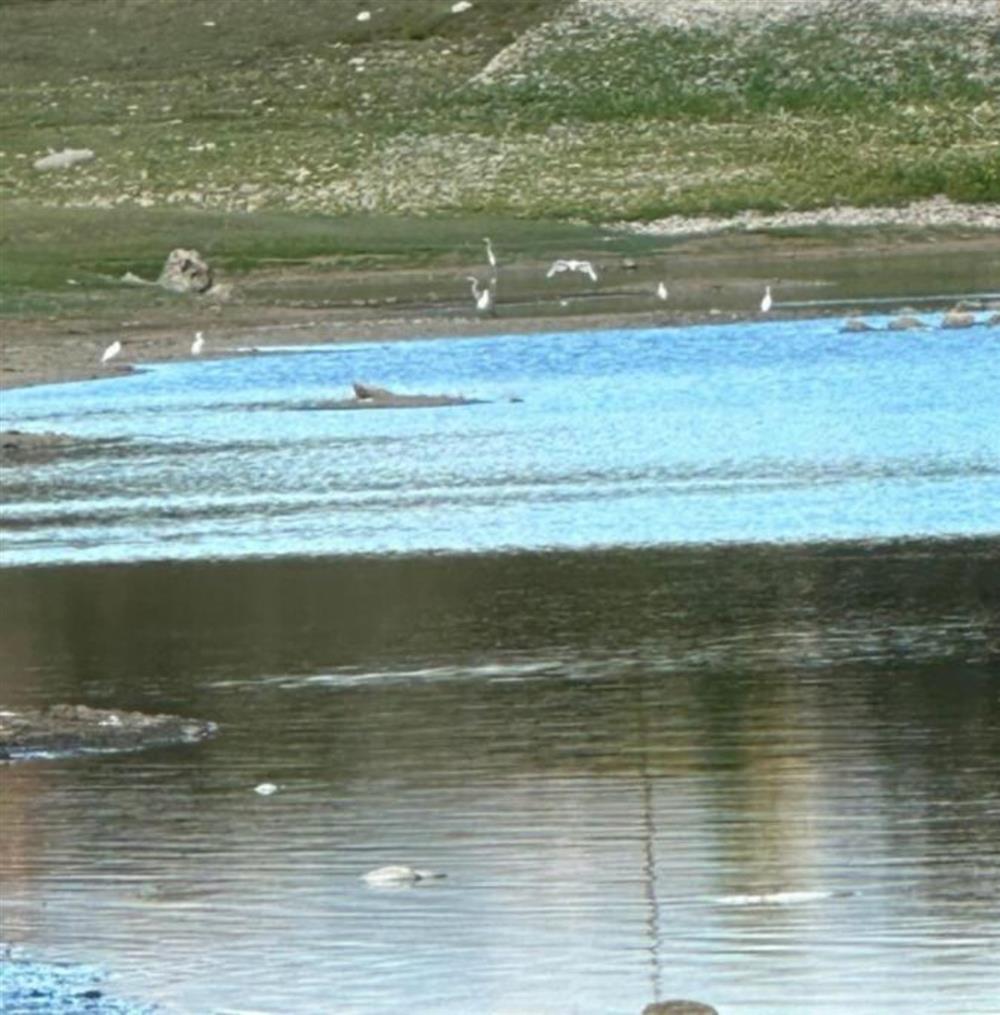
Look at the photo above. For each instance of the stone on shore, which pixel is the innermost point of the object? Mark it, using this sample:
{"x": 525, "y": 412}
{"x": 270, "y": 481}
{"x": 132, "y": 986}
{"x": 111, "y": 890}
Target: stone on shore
{"x": 63, "y": 160}
{"x": 905, "y": 323}
{"x": 958, "y": 319}
{"x": 185, "y": 271}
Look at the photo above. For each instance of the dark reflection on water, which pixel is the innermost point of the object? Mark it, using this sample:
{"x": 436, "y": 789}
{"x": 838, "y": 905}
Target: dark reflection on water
{"x": 767, "y": 777}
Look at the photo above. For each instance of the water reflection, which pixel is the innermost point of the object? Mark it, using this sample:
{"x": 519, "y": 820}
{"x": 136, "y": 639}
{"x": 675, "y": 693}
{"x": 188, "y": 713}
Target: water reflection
{"x": 766, "y": 777}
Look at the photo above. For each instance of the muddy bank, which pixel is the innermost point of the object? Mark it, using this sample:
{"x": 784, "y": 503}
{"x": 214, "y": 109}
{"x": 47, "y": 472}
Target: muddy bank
{"x": 75, "y": 729}
{"x": 710, "y": 280}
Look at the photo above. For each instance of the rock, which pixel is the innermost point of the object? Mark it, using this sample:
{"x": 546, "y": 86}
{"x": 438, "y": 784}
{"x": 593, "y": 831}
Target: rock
{"x": 185, "y": 272}
{"x": 679, "y": 1008}
{"x": 905, "y": 323}
{"x": 993, "y": 321}
{"x": 368, "y": 391}
{"x": 958, "y": 319}
{"x": 18, "y": 447}
{"x": 64, "y": 159}
{"x": 74, "y": 729}
{"x": 856, "y": 324}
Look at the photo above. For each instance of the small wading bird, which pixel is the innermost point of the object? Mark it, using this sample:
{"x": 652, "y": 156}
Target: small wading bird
{"x": 490, "y": 256}
{"x": 483, "y": 297}
{"x": 765, "y": 303}
{"x": 112, "y": 350}
{"x": 198, "y": 344}
{"x": 661, "y": 291}
{"x": 585, "y": 267}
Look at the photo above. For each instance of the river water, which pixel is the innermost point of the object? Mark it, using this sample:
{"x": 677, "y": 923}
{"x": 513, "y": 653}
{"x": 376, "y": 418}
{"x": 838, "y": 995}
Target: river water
{"x": 679, "y": 655}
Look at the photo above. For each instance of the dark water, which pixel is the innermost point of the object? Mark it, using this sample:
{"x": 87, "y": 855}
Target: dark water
{"x": 766, "y": 777}
{"x": 685, "y": 670}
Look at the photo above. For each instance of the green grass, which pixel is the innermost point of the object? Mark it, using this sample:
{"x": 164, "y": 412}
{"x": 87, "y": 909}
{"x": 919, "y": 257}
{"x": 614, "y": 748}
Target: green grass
{"x": 66, "y": 259}
{"x": 266, "y": 136}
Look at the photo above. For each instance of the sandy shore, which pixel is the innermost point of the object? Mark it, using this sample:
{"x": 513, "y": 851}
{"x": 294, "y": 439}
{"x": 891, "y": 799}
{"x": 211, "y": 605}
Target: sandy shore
{"x": 713, "y": 280}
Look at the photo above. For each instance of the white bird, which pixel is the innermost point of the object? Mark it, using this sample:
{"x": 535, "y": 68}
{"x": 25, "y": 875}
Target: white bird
{"x": 364, "y": 16}
{"x": 585, "y": 267}
{"x": 398, "y": 874}
{"x": 198, "y": 344}
{"x": 112, "y": 350}
{"x": 765, "y": 303}
{"x": 490, "y": 256}
{"x": 661, "y": 291}
{"x": 265, "y": 788}
{"x": 483, "y": 297}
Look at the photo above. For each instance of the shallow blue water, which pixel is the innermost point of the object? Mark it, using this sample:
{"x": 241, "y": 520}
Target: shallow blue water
{"x": 784, "y": 431}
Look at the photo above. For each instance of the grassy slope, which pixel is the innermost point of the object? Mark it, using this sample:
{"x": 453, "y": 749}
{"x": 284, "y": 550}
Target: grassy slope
{"x": 272, "y": 109}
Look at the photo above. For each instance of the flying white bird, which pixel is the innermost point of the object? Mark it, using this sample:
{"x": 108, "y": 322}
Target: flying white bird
{"x": 490, "y": 256}
{"x": 112, "y": 350}
{"x": 483, "y": 297}
{"x": 585, "y": 267}
{"x": 765, "y": 303}
{"x": 198, "y": 344}
{"x": 397, "y": 874}
{"x": 661, "y": 291}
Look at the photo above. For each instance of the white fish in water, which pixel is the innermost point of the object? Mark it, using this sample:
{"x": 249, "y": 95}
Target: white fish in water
{"x": 398, "y": 874}
{"x": 778, "y": 898}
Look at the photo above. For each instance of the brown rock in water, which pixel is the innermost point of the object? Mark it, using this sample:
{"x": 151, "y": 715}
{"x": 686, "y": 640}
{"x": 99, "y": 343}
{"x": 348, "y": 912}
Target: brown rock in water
{"x": 367, "y": 391}
{"x": 958, "y": 319}
{"x": 185, "y": 271}
{"x": 905, "y": 323}
{"x": 993, "y": 321}
{"x": 856, "y": 324}
{"x": 679, "y": 1008}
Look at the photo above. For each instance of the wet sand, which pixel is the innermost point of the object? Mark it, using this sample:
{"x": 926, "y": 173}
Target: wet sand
{"x": 711, "y": 280}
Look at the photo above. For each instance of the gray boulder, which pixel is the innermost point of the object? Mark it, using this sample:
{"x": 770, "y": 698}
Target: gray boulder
{"x": 185, "y": 271}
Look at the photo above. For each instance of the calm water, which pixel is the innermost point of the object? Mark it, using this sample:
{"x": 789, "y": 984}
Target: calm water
{"x": 700, "y": 729}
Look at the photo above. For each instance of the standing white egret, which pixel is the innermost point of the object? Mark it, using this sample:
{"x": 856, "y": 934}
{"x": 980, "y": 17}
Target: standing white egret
{"x": 112, "y": 350}
{"x": 490, "y": 256}
{"x": 585, "y": 267}
{"x": 765, "y": 303}
{"x": 483, "y": 297}
{"x": 661, "y": 291}
{"x": 198, "y": 344}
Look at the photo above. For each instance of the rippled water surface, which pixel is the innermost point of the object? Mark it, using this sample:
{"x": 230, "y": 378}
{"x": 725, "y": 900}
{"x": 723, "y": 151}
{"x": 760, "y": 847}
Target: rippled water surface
{"x": 771, "y": 431}
{"x": 665, "y": 706}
